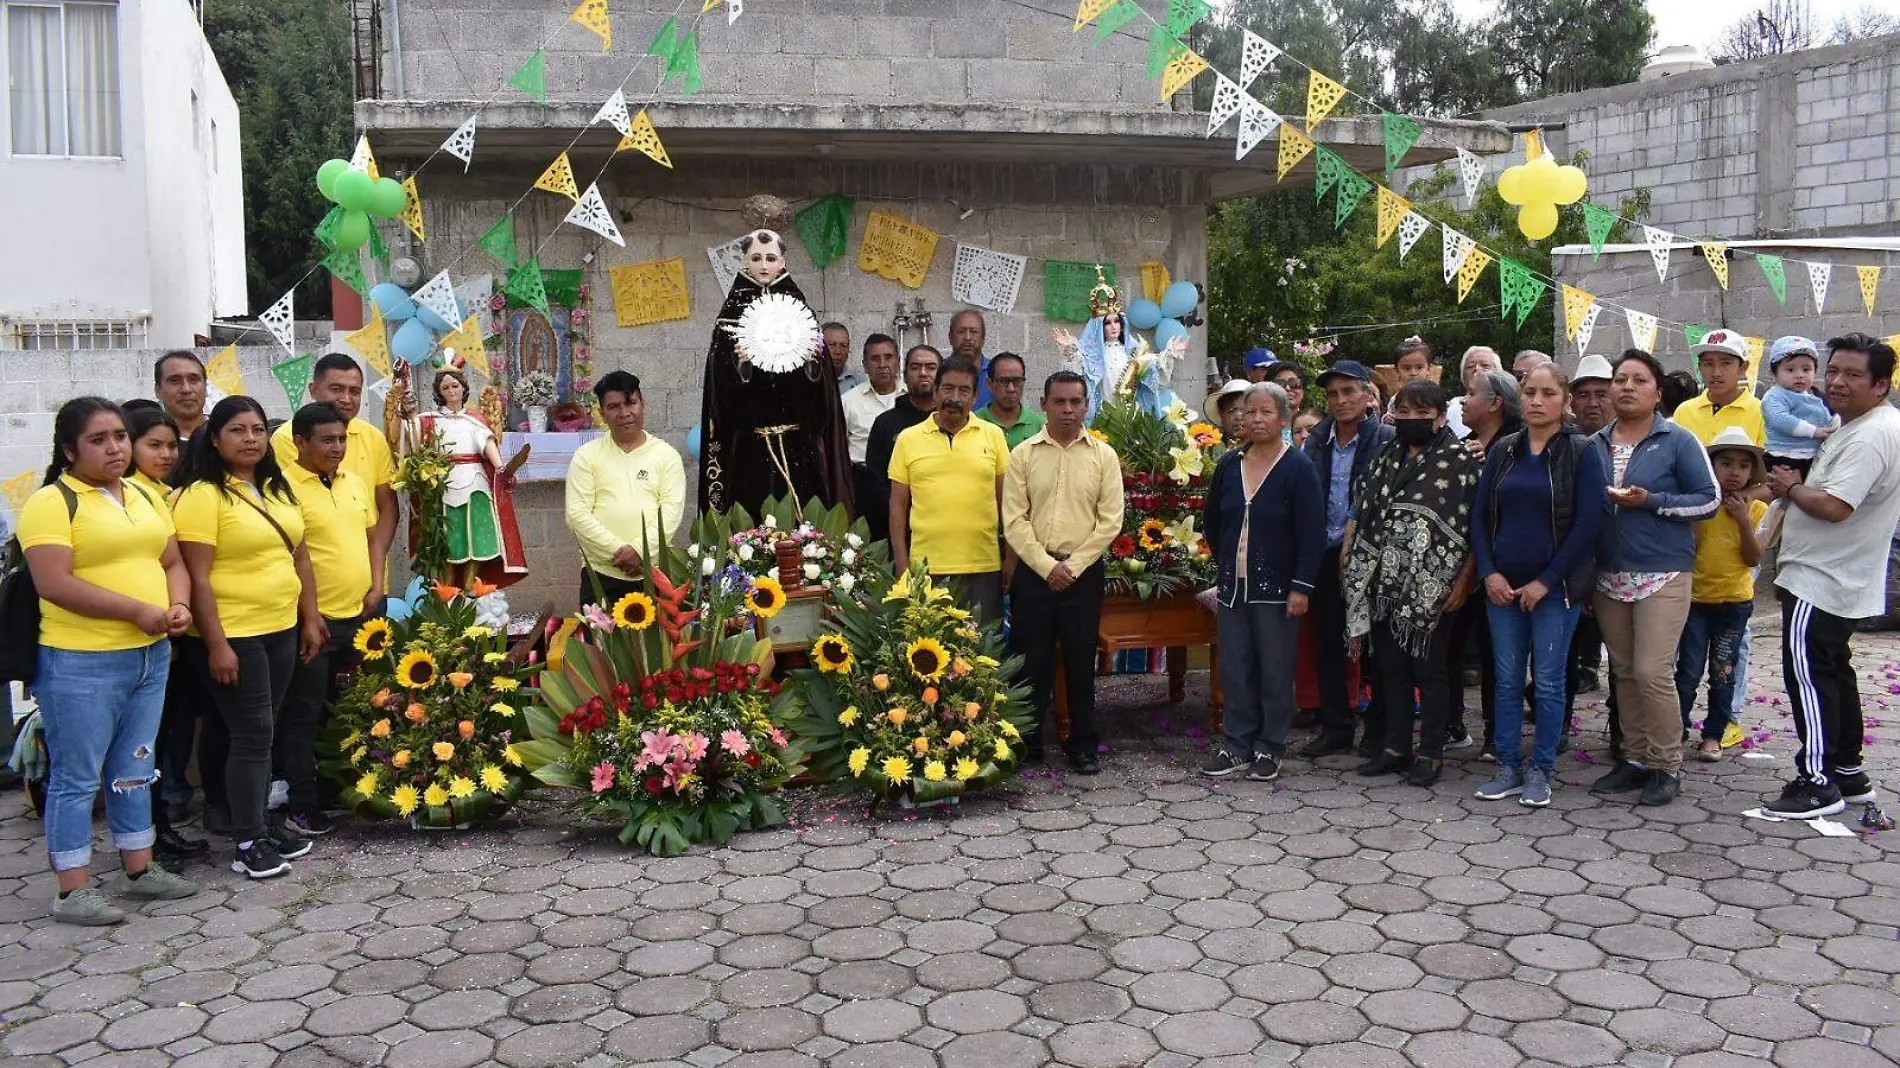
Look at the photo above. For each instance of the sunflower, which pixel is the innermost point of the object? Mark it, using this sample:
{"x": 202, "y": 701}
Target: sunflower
{"x": 1204, "y": 434}
{"x": 832, "y": 653}
{"x": 765, "y": 598}
{"x": 435, "y": 796}
{"x": 897, "y": 769}
{"x": 493, "y": 780}
{"x": 417, "y": 670}
{"x": 633, "y": 612}
{"x": 927, "y": 659}
{"x": 373, "y": 639}
{"x": 1154, "y": 534}
{"x": 405, "y": 799}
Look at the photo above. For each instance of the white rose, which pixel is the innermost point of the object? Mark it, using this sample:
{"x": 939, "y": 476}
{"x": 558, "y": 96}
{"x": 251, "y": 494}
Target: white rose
{"x": 848, "y": 557}
{"x": 706, "y": 566}
{"x": 853, "y": 540}
{"x": 770, "y": 522}
{"x": 745, "y": 553}
{"x": 812, "y": 549}
{"x": 812, "y": 572}
{"x": 845, "y": 582}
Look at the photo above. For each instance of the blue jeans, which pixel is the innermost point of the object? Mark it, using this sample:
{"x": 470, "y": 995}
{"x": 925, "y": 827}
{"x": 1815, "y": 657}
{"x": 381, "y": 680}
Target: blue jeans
{"x": 1713, "y": 638}
{"x": 1540, "y": 641}
{"x": 100, "y": 712}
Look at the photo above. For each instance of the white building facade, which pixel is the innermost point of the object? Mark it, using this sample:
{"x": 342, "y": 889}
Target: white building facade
{"x": 121, "y": 177}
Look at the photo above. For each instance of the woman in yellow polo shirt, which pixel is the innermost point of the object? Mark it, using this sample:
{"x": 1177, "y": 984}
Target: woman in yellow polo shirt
{"x": 255, "y": 601}
{"x": 111, "y": 586}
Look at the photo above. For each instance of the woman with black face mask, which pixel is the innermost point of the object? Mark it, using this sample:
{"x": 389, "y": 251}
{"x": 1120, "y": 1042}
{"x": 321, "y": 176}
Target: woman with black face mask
{"x": 1407, "y": 564}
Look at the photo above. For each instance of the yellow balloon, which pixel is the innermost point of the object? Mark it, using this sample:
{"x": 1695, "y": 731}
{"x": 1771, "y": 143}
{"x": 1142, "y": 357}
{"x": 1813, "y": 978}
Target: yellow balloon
{"x": 1537, "y": 221}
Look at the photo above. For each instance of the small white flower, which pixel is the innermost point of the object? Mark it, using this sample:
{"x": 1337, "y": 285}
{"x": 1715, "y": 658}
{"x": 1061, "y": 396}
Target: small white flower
{"x": 848, "y": 557}
{"x": 770, "y": 522}
{"x": 845, "y": 582}
{"x": 706, "y": 566}
{"x": 693, "y": 550}
{"x": 853, "y": 540}
{"x": 812, "y": 571}
{"x": 745, "y": 553}
{"x": 812, "y": 549}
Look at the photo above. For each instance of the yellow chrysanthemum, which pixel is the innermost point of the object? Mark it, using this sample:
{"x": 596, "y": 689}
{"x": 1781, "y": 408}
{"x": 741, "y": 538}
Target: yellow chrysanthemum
{"x": 967, "y": 769}
{"x": 493, "y": 658}
{"x": 357, "y": 756}
{"x": 373, "y": 639}
{"x": 833, "y": 654}
{"x": 933, "y": 771}
{"x": 1098, "y": 435}
{"x": 405, "y": 799}
{"x": 350, "y": 740}
{"x": 417, "y": 670}
{"x": 1002, "y": 749}
{"x": 634, "y": 612}
{"x": 493, "y": 780}
{"x": 848, "y": 717}
{"x": 1153, "y": 534}
{"x": 442, "y": 751}
{"x": 927, "y": 659}
{"x": 860, "y": 759}
{"x": 511, "y": 756}
{"x": 504, "y": 711}
{"x": 435, "y": 796}
{"x": 1009, "y": 730}
{"x": 461, "y": 786}
{"x": 479, "y": 631}
{"x": 897, "y": 769}
{"x": 369, "y": 784}
{"x": 505, "y": 684}
{"x": 765, "y": 598}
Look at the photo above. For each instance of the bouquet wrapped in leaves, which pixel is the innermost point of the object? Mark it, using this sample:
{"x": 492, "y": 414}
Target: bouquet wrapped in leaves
{"x": 834, "y": 552}
{"x": 907, "y": 699}
{"x": 660, "y": 710}
{"x": 428, "y": 730}
{"x": 1167, "y": 466}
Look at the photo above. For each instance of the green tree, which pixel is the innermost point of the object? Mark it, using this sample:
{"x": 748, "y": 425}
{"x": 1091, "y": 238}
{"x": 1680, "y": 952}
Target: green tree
{"x": 1565, "y": 46}
{"x": 288, "y": 65}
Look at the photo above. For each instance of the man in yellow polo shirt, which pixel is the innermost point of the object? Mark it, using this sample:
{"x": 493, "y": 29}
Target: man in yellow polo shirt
{"x": 947, "y": 494}
{"x": 626, "y": 492}
{"x": 336, "y": 380}
{"x": 338, "y": 519}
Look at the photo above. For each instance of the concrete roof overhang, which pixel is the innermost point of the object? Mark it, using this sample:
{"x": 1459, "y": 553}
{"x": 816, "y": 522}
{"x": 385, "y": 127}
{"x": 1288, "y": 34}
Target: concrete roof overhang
{"x": 410, "y": 130}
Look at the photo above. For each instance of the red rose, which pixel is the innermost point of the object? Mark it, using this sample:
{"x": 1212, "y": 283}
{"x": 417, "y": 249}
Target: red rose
{"x": 752, "y": 760}
{"x": 653, "y": 785}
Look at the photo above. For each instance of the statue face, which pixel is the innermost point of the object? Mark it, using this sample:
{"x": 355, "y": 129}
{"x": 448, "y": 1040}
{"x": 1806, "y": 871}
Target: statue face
{"x": 1112, "y": 328}
{"x": 764, "y": 257}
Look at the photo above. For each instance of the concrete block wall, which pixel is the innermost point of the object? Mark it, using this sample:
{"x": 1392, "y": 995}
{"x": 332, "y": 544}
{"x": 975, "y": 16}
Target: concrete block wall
{"x": 1800, "y": 145}
{"x": 1692, "y": 295}
{"x": 800, "y": 51}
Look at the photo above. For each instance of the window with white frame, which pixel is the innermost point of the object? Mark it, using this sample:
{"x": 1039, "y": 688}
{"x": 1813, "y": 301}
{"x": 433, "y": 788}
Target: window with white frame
{"x": 72, "y": 335}
{"x": 62, "y": 59}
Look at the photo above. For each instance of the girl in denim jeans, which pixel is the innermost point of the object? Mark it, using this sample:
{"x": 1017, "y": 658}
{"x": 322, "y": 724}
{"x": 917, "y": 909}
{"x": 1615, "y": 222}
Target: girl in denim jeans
{"x": 112, "y": 587}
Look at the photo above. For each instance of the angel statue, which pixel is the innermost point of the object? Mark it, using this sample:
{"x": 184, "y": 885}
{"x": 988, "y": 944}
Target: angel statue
{"x": 1117, "y": 361}
{"x": 771, "y": 420}
{"x": 478, "y": 517}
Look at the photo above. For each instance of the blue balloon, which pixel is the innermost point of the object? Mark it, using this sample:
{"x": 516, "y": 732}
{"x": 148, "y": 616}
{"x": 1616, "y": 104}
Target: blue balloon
{"x": 1168, "y": 331}
{"x": 1144, "y": 314}
{"x": 401, "y": 608}
{"x": 693, "y": 438}
{"x": 433, "y": 321}
{"x": 393, "y": 301}
{"x": 1180, "y": 299}
{"x": 412, "y": 342}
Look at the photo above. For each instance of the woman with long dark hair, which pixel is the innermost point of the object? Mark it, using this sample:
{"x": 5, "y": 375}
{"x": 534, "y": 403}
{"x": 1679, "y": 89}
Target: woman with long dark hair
{"x": 255, "y": 600}
{"x": 111, "y": 586}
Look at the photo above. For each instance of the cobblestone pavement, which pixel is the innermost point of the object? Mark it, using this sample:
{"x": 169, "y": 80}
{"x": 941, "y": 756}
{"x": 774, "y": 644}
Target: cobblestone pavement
{"x": 1145, "y": 917}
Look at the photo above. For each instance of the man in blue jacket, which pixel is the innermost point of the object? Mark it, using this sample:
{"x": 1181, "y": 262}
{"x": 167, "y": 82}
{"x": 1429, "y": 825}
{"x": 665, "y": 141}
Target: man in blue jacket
{"x": 1341, "y": 448}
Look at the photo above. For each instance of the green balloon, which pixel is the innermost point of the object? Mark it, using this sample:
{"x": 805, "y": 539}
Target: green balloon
{"x": 327, "y": 176}
{"x": 387, "y": 198}
{"x": 354, "y": 190}
{"x": 352, "y": 232}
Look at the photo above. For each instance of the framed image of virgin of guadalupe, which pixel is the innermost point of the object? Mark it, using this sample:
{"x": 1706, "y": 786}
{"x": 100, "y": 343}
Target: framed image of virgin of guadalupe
{"x": 542, "y": 343}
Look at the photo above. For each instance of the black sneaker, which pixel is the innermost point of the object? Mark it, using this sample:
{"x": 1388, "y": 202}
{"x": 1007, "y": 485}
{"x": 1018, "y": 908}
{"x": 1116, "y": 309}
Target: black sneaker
{"x": 1856, "y": 789}
{"x": 1385, "y": 763}
{"x": 1266, "y": 768}
{"x": 308, "y": 824}
{"x": 1221, "y": 764}
{"x": 1621, "y": 779}
{"x": 1326, "y": 745}
{"x": 1804, "y": 800}
{"x": 1085, "y": 764}
{"x": 287, "y": 843}
{"x": 260, "y": 861}
{"x": 175, "y": 847}
{"x": 1424, "y": 771}
{"x": 1661, "y": 788}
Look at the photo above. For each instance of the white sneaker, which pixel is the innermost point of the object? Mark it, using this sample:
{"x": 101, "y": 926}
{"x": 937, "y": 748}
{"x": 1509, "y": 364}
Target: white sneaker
{"x": 279, "y": 795}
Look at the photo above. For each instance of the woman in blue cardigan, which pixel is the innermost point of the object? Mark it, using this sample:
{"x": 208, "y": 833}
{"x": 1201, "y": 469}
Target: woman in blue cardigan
{"x": 1266, "y": 524}
{"x": 1661, "y": 485}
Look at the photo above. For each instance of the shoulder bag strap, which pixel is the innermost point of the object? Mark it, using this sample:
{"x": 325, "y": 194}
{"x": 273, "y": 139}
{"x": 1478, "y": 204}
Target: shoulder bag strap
{"x": 289, "y": 546}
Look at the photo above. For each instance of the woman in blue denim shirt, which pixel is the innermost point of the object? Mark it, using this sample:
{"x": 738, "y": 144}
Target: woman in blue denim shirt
{"x": 1265, "y": 522}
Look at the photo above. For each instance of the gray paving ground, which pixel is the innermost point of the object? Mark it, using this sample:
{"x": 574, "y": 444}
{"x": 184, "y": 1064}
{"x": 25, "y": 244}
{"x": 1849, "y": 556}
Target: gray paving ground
{"x": 1142, "y": 917}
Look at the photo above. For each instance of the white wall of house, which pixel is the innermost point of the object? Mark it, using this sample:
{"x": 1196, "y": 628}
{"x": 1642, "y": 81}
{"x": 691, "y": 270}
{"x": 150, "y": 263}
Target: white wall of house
{"x": 134, "y": 214}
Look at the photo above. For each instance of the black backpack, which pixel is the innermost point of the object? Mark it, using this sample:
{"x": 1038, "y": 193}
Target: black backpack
{"x": 20, "y": 601}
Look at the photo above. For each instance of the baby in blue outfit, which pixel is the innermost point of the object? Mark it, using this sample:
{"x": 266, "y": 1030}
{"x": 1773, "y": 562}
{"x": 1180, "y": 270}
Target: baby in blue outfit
{"x": 1797, "y": 420}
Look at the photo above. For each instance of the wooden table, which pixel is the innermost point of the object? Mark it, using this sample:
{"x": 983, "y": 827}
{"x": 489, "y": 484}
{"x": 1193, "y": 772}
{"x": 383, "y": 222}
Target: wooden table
{"x": 1172, "y": 623}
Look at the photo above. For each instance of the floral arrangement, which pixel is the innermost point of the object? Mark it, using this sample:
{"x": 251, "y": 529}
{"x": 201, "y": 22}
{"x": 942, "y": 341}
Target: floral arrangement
{"x": 427, "y": 731}
{"x": 660, "y": 711}
{"x": 424, "y": 475}
{"x": 907, "y": 699}
{"x": 534, "y": 390}
{"x": 1167, "y": 463}
{"x": 580, "y": 341}
{"x": 835, "y": 553}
